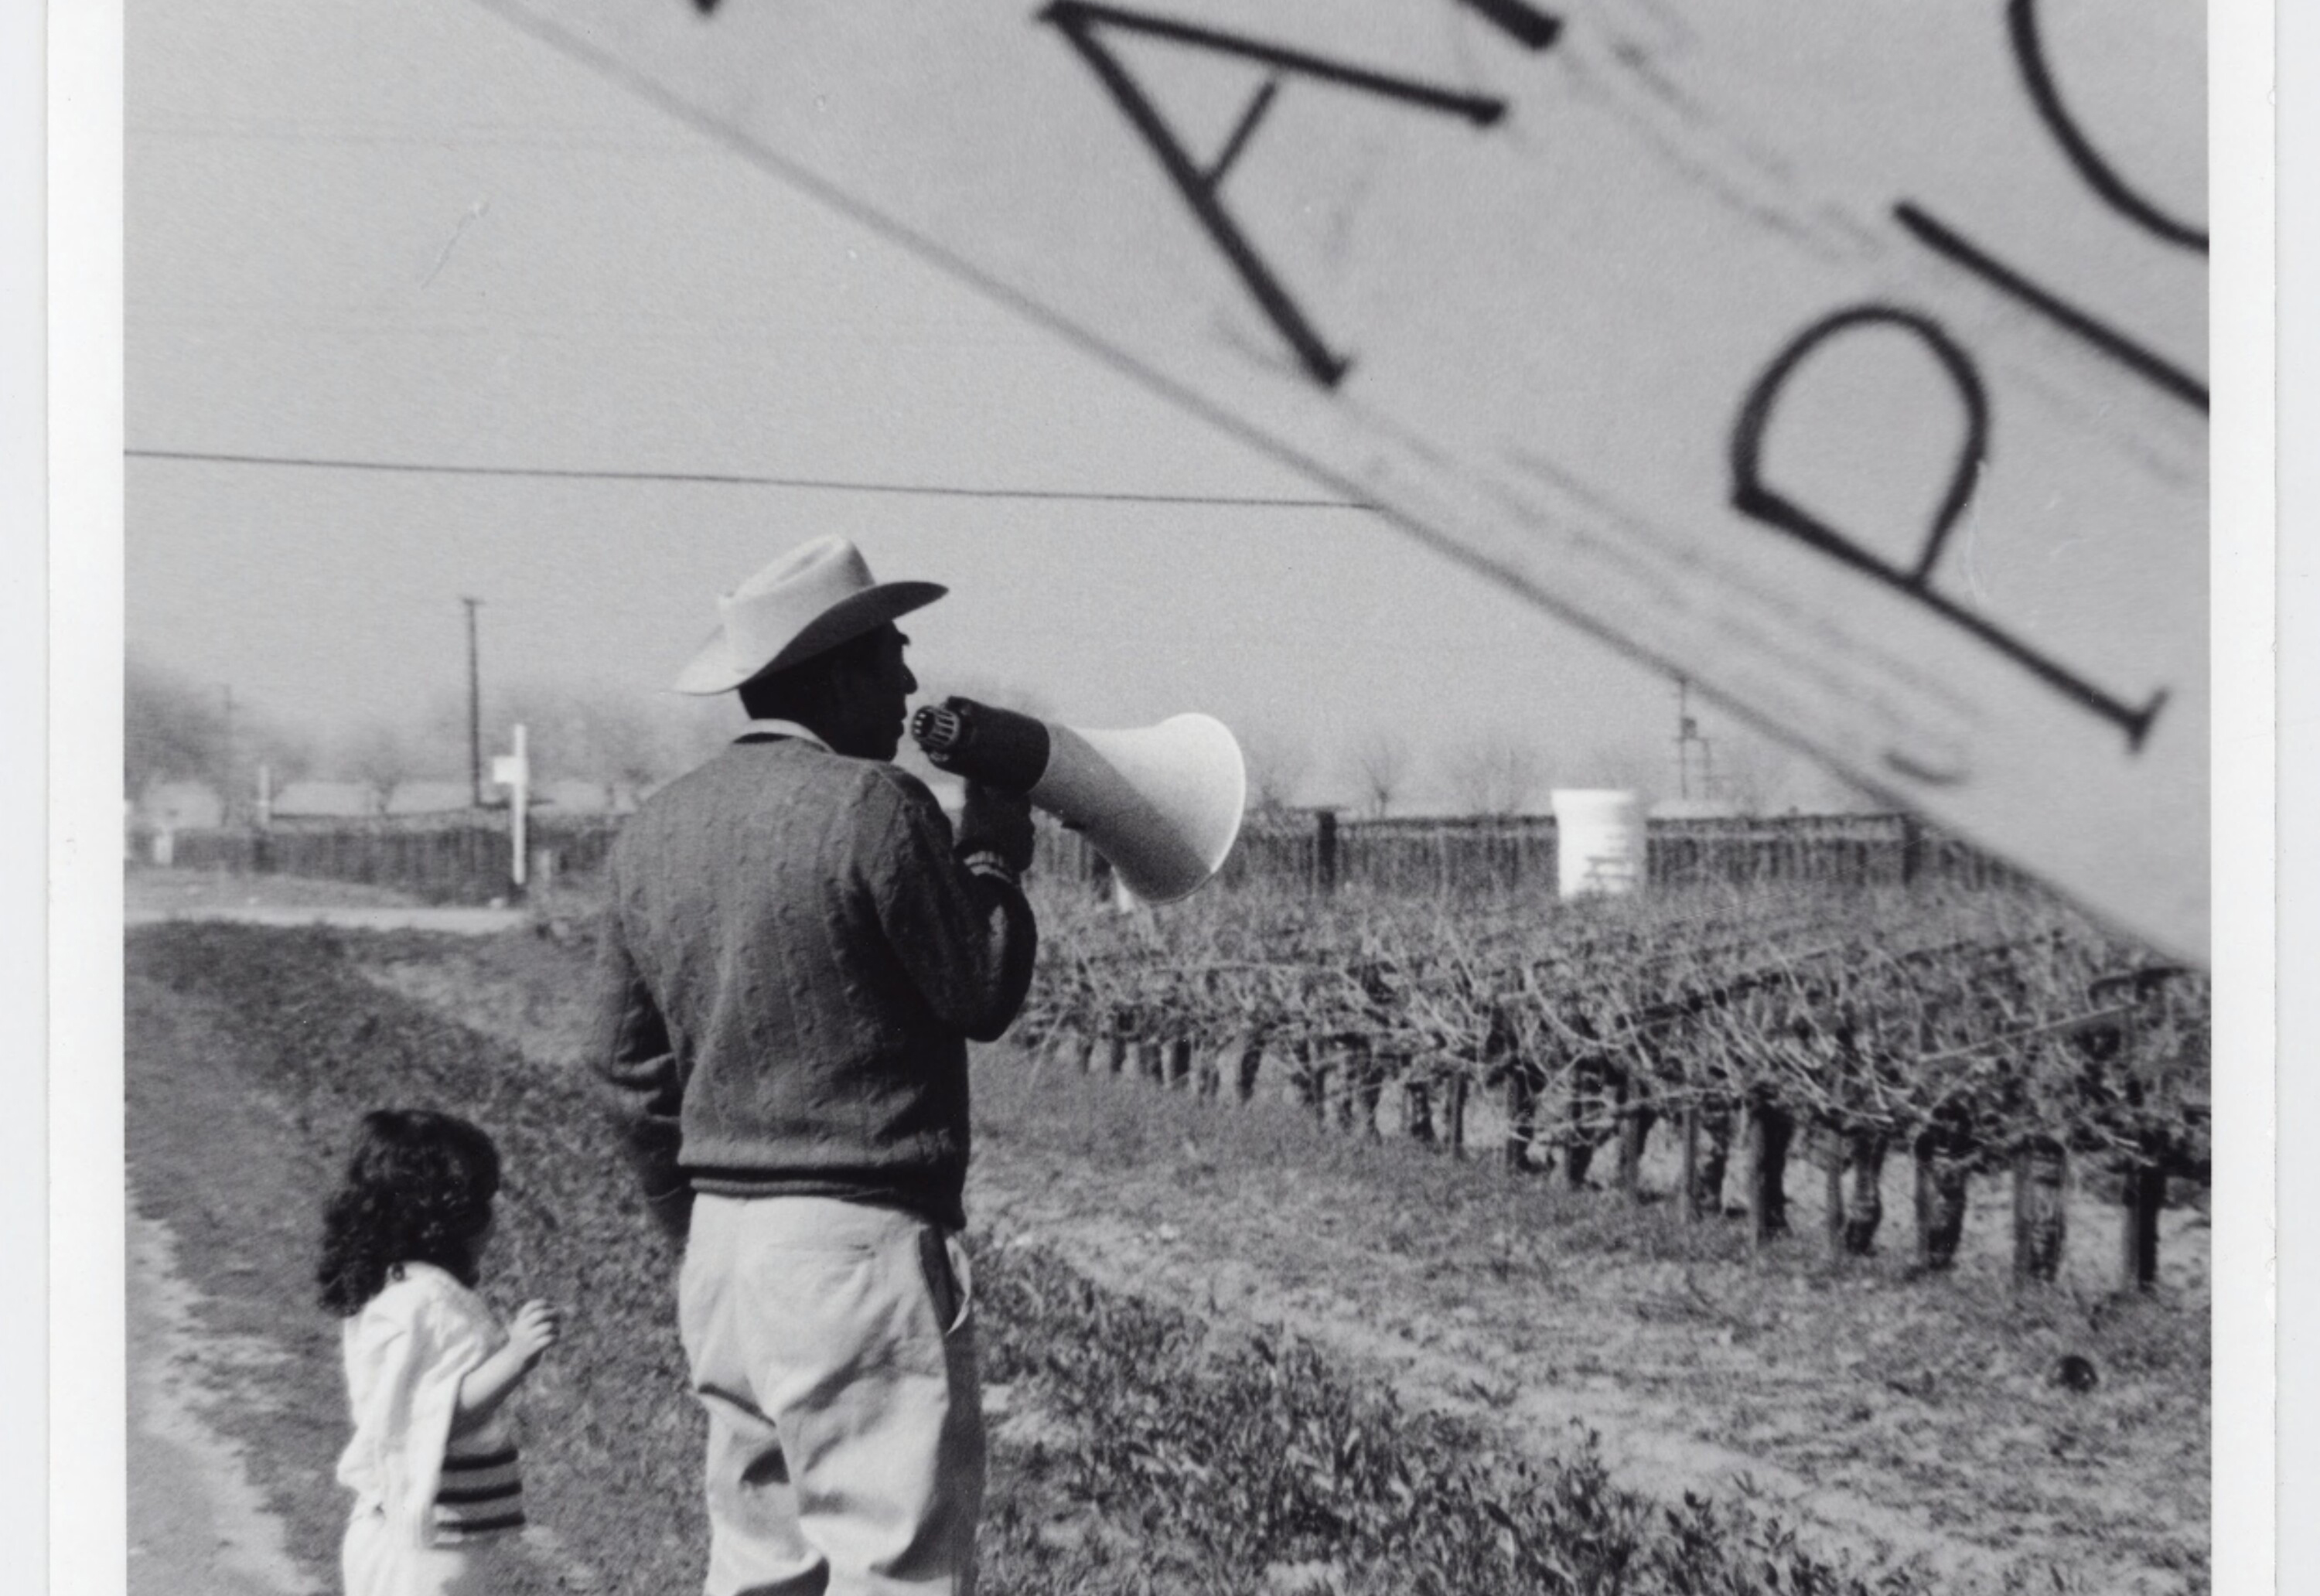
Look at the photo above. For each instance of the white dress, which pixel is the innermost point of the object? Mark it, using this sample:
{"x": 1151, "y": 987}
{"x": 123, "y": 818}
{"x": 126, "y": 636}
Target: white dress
{"x": 431, "y": 1512}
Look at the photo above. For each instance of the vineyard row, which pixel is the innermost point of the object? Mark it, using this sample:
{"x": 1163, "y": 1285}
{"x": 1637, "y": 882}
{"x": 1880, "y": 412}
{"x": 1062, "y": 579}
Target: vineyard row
{"x": 1973, "y": 1035}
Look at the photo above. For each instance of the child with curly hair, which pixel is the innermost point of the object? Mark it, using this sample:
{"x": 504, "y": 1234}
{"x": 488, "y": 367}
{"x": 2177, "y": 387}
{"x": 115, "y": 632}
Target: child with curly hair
{"x": 437, "y": 1491}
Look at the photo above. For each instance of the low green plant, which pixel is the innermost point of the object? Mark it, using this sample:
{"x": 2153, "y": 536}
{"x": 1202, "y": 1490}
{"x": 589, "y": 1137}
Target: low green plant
{"x": 1257, "y": 1459}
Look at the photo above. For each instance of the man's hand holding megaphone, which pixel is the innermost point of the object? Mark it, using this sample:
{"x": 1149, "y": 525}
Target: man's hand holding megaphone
{"x": 1162, "y": 802}
{"x": 996, "y": 821}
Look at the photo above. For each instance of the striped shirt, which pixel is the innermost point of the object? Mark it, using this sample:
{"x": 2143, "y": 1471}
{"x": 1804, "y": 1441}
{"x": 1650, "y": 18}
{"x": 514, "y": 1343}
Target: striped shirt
{"x": 407, "y": 1352}
{"x": 482, "y": 1492}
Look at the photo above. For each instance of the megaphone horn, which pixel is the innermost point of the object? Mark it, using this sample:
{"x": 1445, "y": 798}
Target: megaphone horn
{"x": 1162, "y": 802}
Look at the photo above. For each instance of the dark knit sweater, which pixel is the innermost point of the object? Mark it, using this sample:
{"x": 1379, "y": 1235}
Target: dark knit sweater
{"x": 789, "y": 968}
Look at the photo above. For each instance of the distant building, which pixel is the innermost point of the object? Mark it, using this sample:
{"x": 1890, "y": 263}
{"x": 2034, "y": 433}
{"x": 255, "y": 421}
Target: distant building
{"x": 579, "y": 797}
{"x": 331, "y": 800}
{"x": 327, "y": 800}
{"x": 179, "y": 806}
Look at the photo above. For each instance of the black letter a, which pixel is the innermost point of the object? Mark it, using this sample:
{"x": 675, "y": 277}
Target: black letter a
{"x": 1082, "y": 24}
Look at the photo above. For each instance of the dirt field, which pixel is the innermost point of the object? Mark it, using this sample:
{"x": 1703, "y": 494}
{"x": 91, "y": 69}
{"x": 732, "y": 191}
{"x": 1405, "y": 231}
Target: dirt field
{"x": 1920, "y": 1417}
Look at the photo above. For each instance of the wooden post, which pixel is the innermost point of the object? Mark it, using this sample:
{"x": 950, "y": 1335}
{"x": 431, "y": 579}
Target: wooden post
{"x": 1179, "y": 1063}
{"x": 1364, "y": 1084}
{"x": 1833, "y": 1186}
{"x": 1325, "y": 849}
{"x": 1771, "y": 1131}
{"x": 1210, "y": 1080}
{"x": 1864, "y": 1204}
{"x": 1123, "y": 1029}
{"x": 2144, "y": 1193}
{"x": 2020, "y": 1184}
{"x": 1922, "y": 1162}
{"x": 1522, "y": 1113}
{"x": 1628, "y": 1178}
{"x": 1312, "y": 1079}
{"x": 1416, "y": 1110}
{"x": 1577, "y": 1152}
{"x": 1751, "y": 1146}
{"x": 1943, "y": 1170}
{"x": 2021, "y": 1214}
{"x": 1453, "y": 1110}
{"x": 1688, "y": 1186}
{"x": 2053, "y": 1216}
{"x": 1249, "y": 1062}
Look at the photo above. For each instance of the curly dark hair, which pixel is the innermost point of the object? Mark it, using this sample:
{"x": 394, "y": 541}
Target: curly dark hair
{"x": 418, "y": 1189}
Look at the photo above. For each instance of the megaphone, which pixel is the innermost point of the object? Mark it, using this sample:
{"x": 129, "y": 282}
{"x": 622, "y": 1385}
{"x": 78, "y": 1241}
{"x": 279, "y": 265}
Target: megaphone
{"x": 1162, "y": 802}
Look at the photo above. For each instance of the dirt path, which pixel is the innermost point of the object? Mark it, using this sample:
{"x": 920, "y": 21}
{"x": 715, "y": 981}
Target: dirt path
{"x": 151, "y": 897}
{"x": 197, "y": 1525}
{"x": 237, "y": 1384}
{"x": 472, "y": 922}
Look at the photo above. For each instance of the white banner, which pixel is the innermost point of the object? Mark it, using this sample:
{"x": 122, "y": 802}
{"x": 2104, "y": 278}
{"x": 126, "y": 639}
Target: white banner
{"x": 1848, "y": 357}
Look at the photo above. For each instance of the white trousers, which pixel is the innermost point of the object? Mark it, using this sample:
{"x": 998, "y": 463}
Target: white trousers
{"x": 375, "y": 1563}
{"x": 832, "y": 1345}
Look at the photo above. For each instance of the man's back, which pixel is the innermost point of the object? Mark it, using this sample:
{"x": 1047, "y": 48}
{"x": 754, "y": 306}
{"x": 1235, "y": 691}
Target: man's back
{"x": 791, "y": 945}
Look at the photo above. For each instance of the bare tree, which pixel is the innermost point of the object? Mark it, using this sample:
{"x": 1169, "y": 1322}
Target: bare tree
{"x": 1278, "y": 764}
{"x": 1629, "y": 767}
{"x": 172, "y": 731}
{"x": 692, "y": 730}
{"x": 287, "y": 752}
{"x": 1748, "y": 775}
{"x": 1492, "y": 774}
{"x": 619, "y": 743}
{"x": 1380, "y": 761}
{"x": 441, "y": 743}
{"x": 1761, "y": 776}
{"x": 632, "y": 741}
{"x": 641, "y": 757}
{"x": 381, "y": 756}
{"x": 563, "y": 725}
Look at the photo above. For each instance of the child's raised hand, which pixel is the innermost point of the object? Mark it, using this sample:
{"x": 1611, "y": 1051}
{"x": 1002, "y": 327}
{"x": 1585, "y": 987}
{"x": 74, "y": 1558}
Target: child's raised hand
{"x": 537, "y": 1326}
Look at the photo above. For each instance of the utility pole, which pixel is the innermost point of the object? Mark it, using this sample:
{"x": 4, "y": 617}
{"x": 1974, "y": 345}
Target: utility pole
{"x": 225, "y": 775}
{"x": 1682, "y": 737}
{"x": 475, "y": 712}
{"x": 1687, "y": 733}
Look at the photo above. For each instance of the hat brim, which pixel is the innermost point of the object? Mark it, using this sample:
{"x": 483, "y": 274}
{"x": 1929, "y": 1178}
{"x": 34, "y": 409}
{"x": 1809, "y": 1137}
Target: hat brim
{"x": 711, "y": 668}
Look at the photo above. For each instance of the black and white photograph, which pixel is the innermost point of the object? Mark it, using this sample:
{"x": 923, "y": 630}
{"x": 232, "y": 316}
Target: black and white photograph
{"x": 1184, "y": 797}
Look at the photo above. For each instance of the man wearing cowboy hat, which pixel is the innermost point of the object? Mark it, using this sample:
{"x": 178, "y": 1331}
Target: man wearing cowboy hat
{"x": 795, "y": 954}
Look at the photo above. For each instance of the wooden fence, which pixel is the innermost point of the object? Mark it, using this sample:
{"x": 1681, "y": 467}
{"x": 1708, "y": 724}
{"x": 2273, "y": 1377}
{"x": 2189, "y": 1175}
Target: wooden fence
{"x": 458, "y": 858}
{"x": 1459, "y": 856}
{"x": 464, "y": 858}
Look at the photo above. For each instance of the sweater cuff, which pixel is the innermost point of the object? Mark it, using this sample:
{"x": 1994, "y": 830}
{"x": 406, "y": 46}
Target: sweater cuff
{"x": 986, "y": 861}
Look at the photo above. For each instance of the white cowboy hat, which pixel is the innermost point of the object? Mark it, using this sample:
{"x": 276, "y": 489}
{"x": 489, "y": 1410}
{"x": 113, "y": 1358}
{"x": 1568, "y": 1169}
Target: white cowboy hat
{"x": 813, "y": 598}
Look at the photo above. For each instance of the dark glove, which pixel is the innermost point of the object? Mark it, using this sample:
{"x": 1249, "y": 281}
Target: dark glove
{"x": 993, "y": 821}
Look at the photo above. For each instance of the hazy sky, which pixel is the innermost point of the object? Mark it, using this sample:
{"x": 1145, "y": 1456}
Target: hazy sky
{"x": 408, "y": 233}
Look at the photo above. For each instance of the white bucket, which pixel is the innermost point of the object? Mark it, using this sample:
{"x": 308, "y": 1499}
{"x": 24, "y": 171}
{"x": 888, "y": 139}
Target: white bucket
{"x": 1599, "y": 842}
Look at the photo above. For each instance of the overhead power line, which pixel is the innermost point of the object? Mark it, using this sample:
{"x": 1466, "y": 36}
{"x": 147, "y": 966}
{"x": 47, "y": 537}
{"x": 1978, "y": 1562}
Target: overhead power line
{"x": 742, "y": 479}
